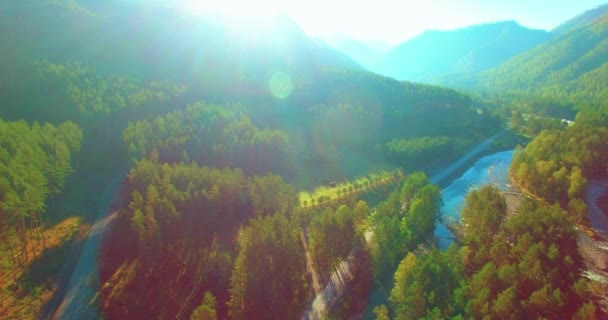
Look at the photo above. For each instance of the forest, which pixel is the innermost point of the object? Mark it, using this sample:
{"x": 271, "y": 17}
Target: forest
{"x": 557, "y": 164}
{"x": 506, "y": 268}
{"x": 209, "y": 166}
{"x": 192, "y": 170}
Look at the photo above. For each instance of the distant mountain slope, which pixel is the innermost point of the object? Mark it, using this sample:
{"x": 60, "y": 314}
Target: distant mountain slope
{"x": 581, "y": 20}
{"x": 364, "y": 53}
{"x": 572, "y": 65}
{"x": 435, "y": 54}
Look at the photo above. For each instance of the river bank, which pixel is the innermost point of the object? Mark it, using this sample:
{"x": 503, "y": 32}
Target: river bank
{"x": 595, "y": 250}
{"x": 592, "y": 238}
{"x": 482, "y": 166}
{"x": 445, "y": 173}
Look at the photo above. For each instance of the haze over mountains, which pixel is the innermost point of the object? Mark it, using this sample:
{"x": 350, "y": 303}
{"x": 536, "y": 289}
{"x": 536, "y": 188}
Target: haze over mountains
{"x": 572, "y": 65}
{"x": 127, "y": 53}
{"x": 262, "y": 161}
{"x": 145, "y": 82}
{"x": 434, "y": 54}
{"x": 570, "y": 61}
{"x": 154, "y": 41}
{"x": 582, "y": 19}
{"x": 366, "y": 53}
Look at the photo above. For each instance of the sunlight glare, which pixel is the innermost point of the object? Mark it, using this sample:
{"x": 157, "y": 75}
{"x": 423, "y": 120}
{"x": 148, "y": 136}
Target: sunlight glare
{"x": 240, "y": 13}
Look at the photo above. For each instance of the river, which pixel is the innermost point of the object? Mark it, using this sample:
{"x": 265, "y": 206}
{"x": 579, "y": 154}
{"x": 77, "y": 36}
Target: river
{"x": 492, "y": 169}
{"x": 597, "y": 218}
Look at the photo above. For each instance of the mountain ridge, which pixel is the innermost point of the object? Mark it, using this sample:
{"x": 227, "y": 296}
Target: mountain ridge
{"x": 571, "y": 65}
{"x": 581, "y": 19}
{"x": 435, "y": 54}
{"x": 156, "y": 41}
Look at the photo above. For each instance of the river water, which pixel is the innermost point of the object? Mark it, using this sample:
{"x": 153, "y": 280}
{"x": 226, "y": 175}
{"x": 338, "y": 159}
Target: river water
{"x": 597, "y": 218}
{"x": 492, "y": 169}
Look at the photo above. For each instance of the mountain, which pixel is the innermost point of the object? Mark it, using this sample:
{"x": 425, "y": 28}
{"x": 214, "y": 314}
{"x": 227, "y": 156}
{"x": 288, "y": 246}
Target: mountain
{"x": 367, "y": 54}
{"x": 158, "y": 42}
{"x": 145, "y": 81}
{"x": 582, "y": 19}
{"x": 573, "y": 65}
{"x": 214, "y": 119}
{"x": 436, "y": 54}
{"x": 105, "y": 64}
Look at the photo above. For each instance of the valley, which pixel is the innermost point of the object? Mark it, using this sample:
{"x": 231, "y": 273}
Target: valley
{"x": 163, "y": 161}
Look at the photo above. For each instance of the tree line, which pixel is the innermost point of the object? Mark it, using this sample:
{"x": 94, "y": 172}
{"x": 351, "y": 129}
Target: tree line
{"x": 182, "y": 219}
{"x": 409, "y": 153}
{"x": 525, "y": 266}
{"x": 334, "y": 234}
{"x": 34, "y": 160}
{"x": 213, "y": 135}
{"x": 405, "y": 220}
{"x": 557, "y": 164}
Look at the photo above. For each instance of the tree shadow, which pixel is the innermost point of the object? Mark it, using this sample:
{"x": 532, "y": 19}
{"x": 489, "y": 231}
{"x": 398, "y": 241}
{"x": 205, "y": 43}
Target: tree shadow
{"x": 52, "y": 267}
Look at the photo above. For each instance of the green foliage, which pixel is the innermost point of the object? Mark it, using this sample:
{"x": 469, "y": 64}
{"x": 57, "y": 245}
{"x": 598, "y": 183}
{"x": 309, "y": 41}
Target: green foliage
{"x": 381, "y": 313}
{"x": 429, "y": 286}
{"x": 527, "y": 266}
{"x": 571, "y": 66}
{"x": 530, "y": 267}
{"x": 81, "y": 93}
{"x": 176, "y": 207}
{"x": 269, "y": 271}
{"x": 212, "y": 135}
{"x": 556, "y": 164}
{"x": 206, "y": 311}
{"x": 167, "y": 196}
{"x": 483, "y": 214}
{"x": 177, "y": 234}
{"x": 34, "y": 161}
{"x": 270, "y": 195}
{"x": 43, "y": 151}
{"x": 334, "y": 234}
{"x": 419, "y": 221}
{"x": 405, "y": 220}
{"x": 409, "y": 153}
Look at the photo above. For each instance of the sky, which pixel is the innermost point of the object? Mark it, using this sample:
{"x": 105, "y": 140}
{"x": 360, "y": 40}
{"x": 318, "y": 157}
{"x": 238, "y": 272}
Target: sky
{"x": 392, "y": 21}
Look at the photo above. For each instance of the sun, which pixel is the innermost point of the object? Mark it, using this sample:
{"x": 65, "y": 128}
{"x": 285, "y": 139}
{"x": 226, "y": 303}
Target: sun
{"x": 241, "y": 13}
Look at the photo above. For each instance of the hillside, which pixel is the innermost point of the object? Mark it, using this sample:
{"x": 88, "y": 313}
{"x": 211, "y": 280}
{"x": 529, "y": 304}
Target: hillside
{"x": 157, "y": 42}
{"x": 436, "y": 54}
{"x": 282, "y": 78}
{"x": 571, "y": 66}
{"x": 161, "y": 164}
{"x": 581, "y": 20}
{"x": 220, "y": 123}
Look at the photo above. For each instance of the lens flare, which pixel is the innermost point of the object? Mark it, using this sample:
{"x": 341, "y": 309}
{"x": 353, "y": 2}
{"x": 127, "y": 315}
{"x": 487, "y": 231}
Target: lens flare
{"x": 280, "y": 85}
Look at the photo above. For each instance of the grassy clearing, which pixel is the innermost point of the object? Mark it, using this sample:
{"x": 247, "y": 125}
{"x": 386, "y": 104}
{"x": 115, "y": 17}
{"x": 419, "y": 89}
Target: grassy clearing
{"x": 328, "y": 193}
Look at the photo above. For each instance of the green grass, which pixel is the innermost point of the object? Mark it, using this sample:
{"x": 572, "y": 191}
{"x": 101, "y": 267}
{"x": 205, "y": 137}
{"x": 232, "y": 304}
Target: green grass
{"x": 325, "y": 193}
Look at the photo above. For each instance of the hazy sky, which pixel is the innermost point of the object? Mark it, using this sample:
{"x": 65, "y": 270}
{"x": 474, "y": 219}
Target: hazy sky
{"x": 394, "y": 21}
